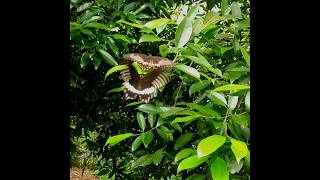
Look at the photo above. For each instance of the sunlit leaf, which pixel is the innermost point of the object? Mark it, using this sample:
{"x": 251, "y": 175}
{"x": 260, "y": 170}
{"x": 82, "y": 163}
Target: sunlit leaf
{"x": 239, "y": 149}
{"x": 149, "y": 38}
{"x": 113, "y": 140}
{"x": 115, "y": 69}
{"x": 191, "y": 162}
{"x": 198, "y": 86}
{"x": 148, "y": 108}
{"x": 136, "y": 143}
{"x": 210, "y": 144}
{"x": 157, "y": 23}
{"x": 141, "y": 121}
{"x": 230, "y": 87}
{"x": 188, "y": 70}
{"x": 219, "y": 169}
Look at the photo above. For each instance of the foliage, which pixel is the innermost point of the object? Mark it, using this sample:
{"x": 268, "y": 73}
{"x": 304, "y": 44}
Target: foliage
{"x": 198, "y": 127}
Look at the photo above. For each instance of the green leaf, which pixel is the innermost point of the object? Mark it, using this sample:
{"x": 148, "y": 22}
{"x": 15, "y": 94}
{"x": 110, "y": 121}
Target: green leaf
{"x": 197, "y": 177}
{"x": 113, "y": 140}
{"x": 123, "y": 38}
{"x": 87, "y": 32}
{"x": 119, "y": 3}
{"x": 204, "y": 63}
{"x": 134, "y": 103}
{"x": 184, "y": 153}
{"x": 141, "y": 121}
{"x": 136, "y": 143}
{"x": 188, "y": 70}
{"x": 129, "y": 7}
{"x": 224, "y": 7}
{"x": 119, "y": 89}
{"x": 241, "y": 119}
{"x": 218, "y": 98}
{"x": 115, "y": 69}
{"x": 144, "y": 160}
{"x": 191, "y": 162}
{"x": 185, "y": 119}
{"x": 151, "y": 119}
{"x": 157, "y": 157}
{"x": 156, "y": 23}
{"x": 230, "y": 87}
{"x": 95, "y": 25}
{"x": 247, "y": 101}
{"x": 210, "y": 144}
{"x": 161, "y": 28}
{"x": 91, "y": 19}
{"x": 183, "y": 32}
{"x": 198, "y": 86}
{"x": 219, "y": 169}
{"x": 182, "y": 140}
{"x": 165, "y": 133}
{"x": 147, "y": 138}
{"x": 235, "y": 9}
{"x": 204, "y": 110}
{"x": 83, "y": 7}
{"x": 84, "y": 59}
{"x": 169, "y": 111}
{"x": 130, "y": 24}
{"x": 239, "y": 149}
{"x": 163, "y": 49}
{"x": 245, "y": 55}
{"x": 149, "y": 38}
{"x": 233, "y": 101}
{"x": 108, "y": 58}
{"x": 233, "y": 166}
{"x": 112, "y": 44}
{"x": 147, "y": 108}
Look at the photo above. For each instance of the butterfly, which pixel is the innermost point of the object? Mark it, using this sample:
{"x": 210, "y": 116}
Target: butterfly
{"x": 153, "y": 75}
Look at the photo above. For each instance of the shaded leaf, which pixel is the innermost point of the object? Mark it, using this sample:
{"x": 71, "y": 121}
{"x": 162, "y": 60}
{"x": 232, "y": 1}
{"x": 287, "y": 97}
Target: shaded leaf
{"x": 149, "y": 38}
{"x": 198, "y": 86}
{"x": 188, "y": 70}
{"x": 141, "y": 121}
{"x": 123, "y": 38}
{"x": 115, "y": 69}
{"x": 148, "y": 108}
{"x": 108, "y": 58}
{"x": 165, "y": 133}
{"x": 157, "y": 156}
{"x": 205, "y": 110}
{"x": 144, "y": 160}
{"x": 230, "y": 87}
{"x": 119, "y": 89}
{"x": 151, "y": 119}
{"x": 136, "y": 143}
{"x": 147, "y": 138}
{"x": 182, "y": 140}
{"x": 184, "y": 153}
{"x": 185, "y": 119}
{"x": 218, "y": 98}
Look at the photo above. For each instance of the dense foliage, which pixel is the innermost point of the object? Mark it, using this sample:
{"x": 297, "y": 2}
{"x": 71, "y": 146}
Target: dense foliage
{"x": 198, "y": 127}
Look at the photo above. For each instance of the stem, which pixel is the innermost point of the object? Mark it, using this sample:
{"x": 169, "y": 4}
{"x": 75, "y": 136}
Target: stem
{"x": 225, "y": 122}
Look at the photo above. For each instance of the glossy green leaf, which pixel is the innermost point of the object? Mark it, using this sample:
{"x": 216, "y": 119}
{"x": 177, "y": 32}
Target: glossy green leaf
{"x": 134, "y": 103}
{"x": 84, "y": 59}
{"x": 136, "y": 143}
{"x": 119, "y": 89}
{"x": 161, "y": 28}
{"x": 123, "y": 38}
{"x": 232, "y": 103}
{"x": 96, "y": 25}
{"x": 165, "y": 133}
{"x": 157, "y": 156}
{"x": 183, "y": 140}
{"x": 218, "y": 98}
{"x": 151, "y": 119}
{"x": 224, "y": 7}
{"x": 148, "y": 108}
{"x": 210, "y": 144}
{"x": 219, "y": 169}
{"x": 113, "y": 140}
{"x": 91, "y": 19}
{"x": 188, "y": 70}
{"x": 183, "y": 32}
{"x": 169, "y": 111}
{"x": 115, "y": 69}
{"x": 144, "y": 160}
{"x": 241, "y": 119}
{"x": 191, "y": 162}
{"x": 185, "y": 119}
{"x": 239, "y": 149}
{"x": 141, "y": 121}
{"x": 247, "y": 101}
{"x": 156, "y": 23}
{"x": 230, "y": 87}
{"x": 203, "y": 62}
{"x": 163, "y": 49}
{"x": 184, "y": 153}
{"x": 147, "y": 138}
{"x": 112, "y": 44}
{"x": 235, "y": 9}
{"x": 149, "y": 38}
{"x": 204, "y": 110}
{"x": 198, "y": 86}
{"x": 83, "y": 7}
{"x": 245, "y": 55}
{"x": 108, "y": 58}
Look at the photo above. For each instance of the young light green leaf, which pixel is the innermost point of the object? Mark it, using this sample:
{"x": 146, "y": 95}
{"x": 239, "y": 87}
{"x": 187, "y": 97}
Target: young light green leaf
{"x": 108, "y": 58}
{"x": 115, "y": 69}
{"x": 230, "y": 87}
{"x": 204, "y": 110}
{"x": 191, "y": 162}
{"x": 131, "y": 24}
{"x": 147, "y": 138}
{"x": 136, "y": 143}
{"x": 156, "y": 23}
{"x": 182, "y": 140}
{"x": 184, "y": 153}
{"x": 163, "y": 49}
{"x": 247, "y": 101}
{"x": 149, "y": 38}
{"x": 157, "y": 157}
{"x": 113, "y": 140}
{"x": 119, "y": 89}
{"x": 165, "y": 133}
{"x": 239, "y": 149}
{"x": 141, "y": 121}
{"x": 148, "y": 108}
{"x": 210, "y": 144}
{"x": 185, "y": 119}
{"x": 245, "y": 55}
{"x": 144, "y": 160}
{"x": 219, "y": 169}
{"x": 188, "y": 70}
{"x": 198, "y": 86}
